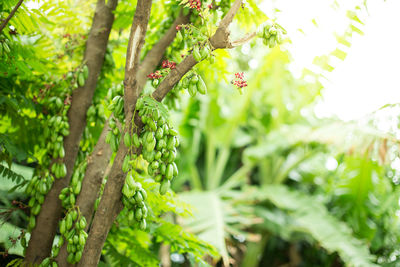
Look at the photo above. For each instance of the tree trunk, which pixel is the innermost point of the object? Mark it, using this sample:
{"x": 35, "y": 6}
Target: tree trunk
{"x": 47, "y": 221}
{"x": 104, "y": 217}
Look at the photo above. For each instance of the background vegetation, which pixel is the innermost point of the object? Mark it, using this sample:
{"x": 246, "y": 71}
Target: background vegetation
{"x": 262, "y": 181}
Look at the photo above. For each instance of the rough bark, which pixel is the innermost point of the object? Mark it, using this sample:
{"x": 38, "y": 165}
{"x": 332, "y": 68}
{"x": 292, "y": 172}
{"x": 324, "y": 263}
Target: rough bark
{"x": 12, "y": 13}
{"x": 100, "y": 157}
{"x": 110, "y": 206}
{"x": 47, "y": 221}
{"x": 95, "y": 171}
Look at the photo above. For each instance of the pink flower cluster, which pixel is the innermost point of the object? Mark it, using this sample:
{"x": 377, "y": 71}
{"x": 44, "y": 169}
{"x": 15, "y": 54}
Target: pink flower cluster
{"x": 168, "y": 64}
{"x": 239, "y": 80}
{"x": 155, "y": 75}
{"x": 195, "y": 4}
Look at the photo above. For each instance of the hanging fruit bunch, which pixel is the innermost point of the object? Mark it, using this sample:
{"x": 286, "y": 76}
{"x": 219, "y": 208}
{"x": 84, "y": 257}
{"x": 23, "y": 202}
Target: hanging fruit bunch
{"x": 156, "y": 144}
{"x": 271, "y": 33}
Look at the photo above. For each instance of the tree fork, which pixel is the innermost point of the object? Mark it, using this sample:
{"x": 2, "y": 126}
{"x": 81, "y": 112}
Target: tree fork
{"x": 42, "y": 236}
{"x": 111, "y": 205}
{"x": 100, "y": 157}
{"x": 99, "y": 231}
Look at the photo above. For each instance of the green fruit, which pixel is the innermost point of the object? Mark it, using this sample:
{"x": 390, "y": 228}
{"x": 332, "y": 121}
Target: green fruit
{"x": 76, "y": 239}
{"x": 169, "y": 173}
{"x": 142, "y": 225}
{"x": 158, "y": 178}
{"x": 161, "y": 144}
{"x": 175, "y": 169}
{"x": 81, "y": 79}
{"x": 82, "y": 240}
{"x": 171, "y": 156}
{"x": 163, "y": 168}
{"x": 68, "y": 221}
{"x": 31, "y": 202}
{"x": 185, "y": 83}
{"x": 45, "y": 262}
{"x": 125, "y": 164}
{"x": 138, "y": 214}
{"x": 145, "y": 211}
{"x": 194, "y": 79}
{"x": 171, "y": 143}
{"x": 205, "y": 52}
{"x": 154, "y": 165}
{"x": 71, "y": 258}
{"x": 152, "y": 125}
{"x": 127, "y": 140}
{"x": 85, "y": 71}
{"x": 136, "y": 141}
{"x": 192, "y": 89}
{"x": 77, "y": 188}
{"x": 62, "y": 227}
{"x": 36, "y": 209}
{"x": 78, "y": 256}
{"x": 196, "y": 54}
{"x": 155, "y": 83}
{"x": 179, "y": 37}
{"x": 143, "y": 193}
{"x": 150, "y": 145}
{"x": 32, "y": 222}
{"x": 74, "y": 215}
{"x": 55, "y": 251}
{"x": 82, "y": 222}
{"x": 159, "y": 133}
{"x": 201, "y": 86}
{"x": 131, "y": 182}
{"x": 138, "y": 197}
{"x": 158, "y": 155}
{"x": 61, "y": 152}
{"x": 127, "y": 191}
{"x": 72, "y": 199}
{"x": 165, "y": 184}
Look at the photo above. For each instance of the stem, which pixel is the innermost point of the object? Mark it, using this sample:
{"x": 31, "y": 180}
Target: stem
{"x": 3, "y": 25}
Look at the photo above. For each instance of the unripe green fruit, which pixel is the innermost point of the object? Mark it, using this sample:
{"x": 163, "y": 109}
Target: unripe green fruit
{"x": 165, "y": 184}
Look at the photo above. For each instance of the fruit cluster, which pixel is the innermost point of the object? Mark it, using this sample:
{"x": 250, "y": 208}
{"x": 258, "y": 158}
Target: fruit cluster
{"x": 68, "y": 194}
{"x": 193, "y": 83}
{"x": 159, "y": 141}
{"x": 4, "y": 47}
{"x": 72, "y": 230}
{"x": 133, "y": 198}
{"x": 271, "y": 33}
{"x": 37, "y": 190}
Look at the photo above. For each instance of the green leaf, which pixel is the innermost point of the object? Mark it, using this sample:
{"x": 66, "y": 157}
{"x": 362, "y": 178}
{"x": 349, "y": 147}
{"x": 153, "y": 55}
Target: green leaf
{"x": 311, "y": 217}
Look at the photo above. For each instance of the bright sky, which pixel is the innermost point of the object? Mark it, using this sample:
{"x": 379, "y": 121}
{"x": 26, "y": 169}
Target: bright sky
{"x": 369, "y": 77}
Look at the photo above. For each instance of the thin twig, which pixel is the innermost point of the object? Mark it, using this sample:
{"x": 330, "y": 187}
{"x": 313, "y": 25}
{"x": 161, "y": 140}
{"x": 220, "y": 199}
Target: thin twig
{"x": 3, "y": 25}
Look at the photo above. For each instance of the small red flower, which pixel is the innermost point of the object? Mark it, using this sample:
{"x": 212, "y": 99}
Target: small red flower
{"x": 210, "y": 6}
{"x": 239, "y": 81}
{"x": 168, "y": 64}
{"x": 195, "y": 4}
{"x": 178, "y": 27}
{"x": 155, "y": 75}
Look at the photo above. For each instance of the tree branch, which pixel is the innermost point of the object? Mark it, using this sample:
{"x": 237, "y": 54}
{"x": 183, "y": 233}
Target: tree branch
{"x": 42, "y": 236}
{"x": 110, "y": 204}
{"x": 91, "y": 184}
{"x": 104, "y": 217}
{"x": 3, "y": 25}
{"x": 154, "y": 56}
{"x": 221, "y": 37}
{"x": 99, "y": 159}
